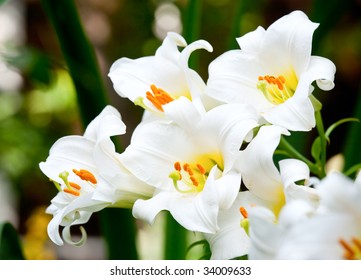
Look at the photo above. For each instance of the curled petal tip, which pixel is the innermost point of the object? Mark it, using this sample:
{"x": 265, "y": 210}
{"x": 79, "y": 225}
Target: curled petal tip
{"x": 67, "y": 236}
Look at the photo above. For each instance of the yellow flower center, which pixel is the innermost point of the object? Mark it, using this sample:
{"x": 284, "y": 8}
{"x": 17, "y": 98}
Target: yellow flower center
{"x": 352, "y": 249}
{"x": 191, "y": 177}
{"x": 279, "y": 202}
{"x": 72, "y": 187}
{"x": 278, "y": 89}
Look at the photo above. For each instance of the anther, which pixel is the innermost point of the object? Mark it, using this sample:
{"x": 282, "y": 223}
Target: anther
{"x": 346, "y": 246}
{"x": 194, "y": 181}
{"x": 186, "y": 167}
{"x": 244, "y": 212}
{"x": 352, "y": 249}
{"x": 85, "y": 175}
{"x": 201, "y": 169}
{"x": 158, "y": 97}
{"x": 154, "y": 101}
{"x": 177, "y": 166}
{"x": 74, "y": 185}
{"x": 72, "y": 191}
{"x": 274, "y": 88}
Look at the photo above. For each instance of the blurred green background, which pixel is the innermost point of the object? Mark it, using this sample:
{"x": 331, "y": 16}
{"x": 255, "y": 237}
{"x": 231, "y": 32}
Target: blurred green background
{"x": 38, "y": 99}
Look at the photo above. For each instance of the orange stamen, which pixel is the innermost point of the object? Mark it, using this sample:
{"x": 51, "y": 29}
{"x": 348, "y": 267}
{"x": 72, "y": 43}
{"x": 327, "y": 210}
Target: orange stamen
{"x": 85, "y": 175}
{"x": 243, "y": 212}
{"x": 154, "y": 101}
{"x": 177, "y": 166}
{"x": 158, "y": 97}
{"x": 201, "y": 169}
{"x": 279, "y": 84}
{"x": 194, "y": 175}
{"x": 71, "y": 191}
{"x": 74, "y": 185}
{"x": 167, "y": 98}
{"x": 349, "y": 253}
{"x": 186, "y": 167}
{"x": 279, "y": 81}
{"x": 190, "y": 172}
{"x": 194, "y": 181}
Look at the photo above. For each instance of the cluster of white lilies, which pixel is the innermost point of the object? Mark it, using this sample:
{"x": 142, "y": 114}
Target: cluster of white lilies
{"x": 198, "y": 142}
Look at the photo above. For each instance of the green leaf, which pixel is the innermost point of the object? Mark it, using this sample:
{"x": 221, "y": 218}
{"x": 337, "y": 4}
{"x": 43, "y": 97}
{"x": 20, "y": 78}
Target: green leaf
{"x": 33, "y": 63}
{"x": 316, "y": 149}
{"x": 79, "y": 56}
{"x": 117, "y": 225}
{"x": 206, "y": 249}
{"x": 244, "y": 257}
{"x": 10, "y": 248}
{"x": 336, "y": 124}
{"x": 353, "y": 169}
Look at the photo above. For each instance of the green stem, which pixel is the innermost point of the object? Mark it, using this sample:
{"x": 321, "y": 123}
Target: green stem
{"x": 324, "y": 140}
{"x": 353, "y": 169}
{"x": 176, "y": 240}
{"x": 287, "y": 148}
{"x": 117, "y": 225}
{"x": 119, "y": 231}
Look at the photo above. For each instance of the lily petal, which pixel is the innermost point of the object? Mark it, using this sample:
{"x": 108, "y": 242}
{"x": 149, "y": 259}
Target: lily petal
{"x": 232, "y": 240}
{"x": 83, "y": 202}
{"x": 195, "y": 213}
{"x": 292, "y": 171}
{"x": 322, "y": 70}
{"x": 291, "y": 41}
{"x": 258, "y": 170}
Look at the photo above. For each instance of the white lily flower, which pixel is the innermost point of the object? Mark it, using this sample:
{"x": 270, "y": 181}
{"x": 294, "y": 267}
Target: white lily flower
{"x": 330, "y": 231}
{"x": 268, "y": 231}
{"x": 261, "y": 176}
{"x": 190, "y": 161}
{"x": 153, "y": 81}
{"x": 273, "y": 72}
{"x": 85, "y": 170}
{"x": 232, "y": 240}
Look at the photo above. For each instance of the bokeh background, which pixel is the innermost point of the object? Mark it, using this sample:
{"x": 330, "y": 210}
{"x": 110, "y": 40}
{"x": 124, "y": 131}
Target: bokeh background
{"x": 38, "y": 101}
